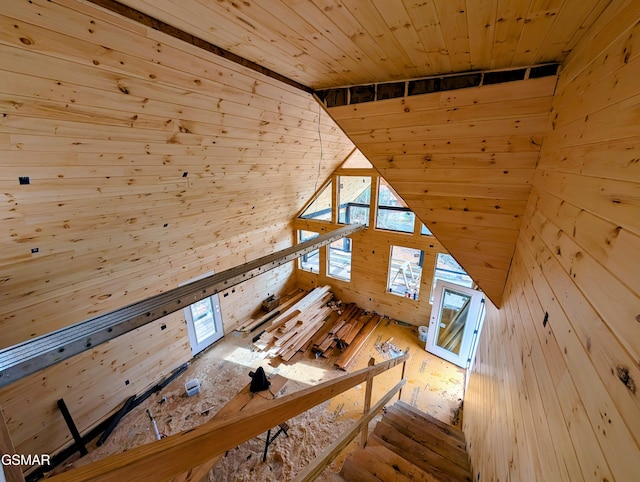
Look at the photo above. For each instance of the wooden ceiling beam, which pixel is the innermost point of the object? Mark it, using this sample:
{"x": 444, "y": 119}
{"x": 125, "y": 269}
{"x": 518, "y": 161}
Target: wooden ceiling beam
{"x": 163, "y": 27}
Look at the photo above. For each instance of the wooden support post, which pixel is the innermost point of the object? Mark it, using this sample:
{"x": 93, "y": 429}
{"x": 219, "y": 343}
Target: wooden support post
{"x": 315, "y": 467}
{"x": 12, "y": 473}
{"x": 367, "y": 405}
{"x": 404, "y": 366}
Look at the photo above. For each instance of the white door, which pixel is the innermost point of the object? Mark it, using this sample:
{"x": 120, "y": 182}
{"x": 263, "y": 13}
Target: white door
{"x": 204, "y": 321}
{"x": 455, "y": 316}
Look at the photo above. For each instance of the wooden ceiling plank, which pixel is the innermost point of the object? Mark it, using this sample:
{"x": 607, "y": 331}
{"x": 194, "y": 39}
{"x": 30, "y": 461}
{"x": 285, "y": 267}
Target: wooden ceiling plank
{"x": 402, "y": 143}
{"x": 509, "y": 24}
{"x": 596, "y": 195}
{"x": 598, "y": 130}
{"x": 453, "y": 16}
{"x": 471, "y": 218}
{"x": 141, "y": 56}
{"x": 415, "y": 41}
{"x": 599, "y": 8}
{"x": 494, "y": 143}
{"x": 619, "y": 85}
{"x": 490, "y": 191}
{"x": 428, "y": 26}
{"x": 471, "y": 204}
{"x": 470, "y": 177}
{"x": 604, "y": 33}
{"x": 615, "y": 159}
{"x": 353, "y": 29}
{"x": 128, "y": 93}
{"x": 465, "y": 160}
{"x": 481, "y": 32}
{"x": 514, "y": 126}
{"x": 376, "y": 23}
{"x": 519, "y": 89}
{"x": 412, "y": 117}
{"x": 261, "y": 45}
{"x": 214, "y": 123}
{"x": 172, "y": 133}
{"x": 540, "y": 18}
{"x": 323, "y": 21}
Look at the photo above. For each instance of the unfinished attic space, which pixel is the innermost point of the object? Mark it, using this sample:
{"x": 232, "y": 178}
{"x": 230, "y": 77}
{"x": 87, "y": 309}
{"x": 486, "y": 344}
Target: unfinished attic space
{"x": 320, "y": 240}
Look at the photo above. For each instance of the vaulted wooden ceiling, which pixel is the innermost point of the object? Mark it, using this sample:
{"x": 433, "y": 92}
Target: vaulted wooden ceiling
{"x": 328, "y": 43}
{"x": 94, "y": 94}
{"x": 462, "y": 159}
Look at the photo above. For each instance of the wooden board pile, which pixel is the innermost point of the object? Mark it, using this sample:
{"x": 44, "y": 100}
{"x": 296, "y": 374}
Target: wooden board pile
{"x": 294, "y": 327}
{"x": 310, "y": 324}
{"x": 286, "y": 301}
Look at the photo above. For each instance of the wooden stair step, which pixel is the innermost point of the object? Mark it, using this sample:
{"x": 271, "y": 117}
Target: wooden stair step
{"x": 429, "y": 436}
{"x": 333, "y": 477}
{"x": 352, "y": 472}
{"x": 388, "y": 465}
{"x": 418, "y": 454}
{"x": 425, "y": 418}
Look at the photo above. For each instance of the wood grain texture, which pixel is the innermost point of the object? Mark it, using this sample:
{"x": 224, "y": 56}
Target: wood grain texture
{"x": 437, "y": 153}
{"x": 330, "y": 43}
{"x": 559, "y": 398}
{"x": 149, "y": 162}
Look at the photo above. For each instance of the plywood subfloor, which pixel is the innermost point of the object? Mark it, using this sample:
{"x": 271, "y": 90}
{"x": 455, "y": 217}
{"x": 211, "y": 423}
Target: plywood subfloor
{"x": 433, "y": 385}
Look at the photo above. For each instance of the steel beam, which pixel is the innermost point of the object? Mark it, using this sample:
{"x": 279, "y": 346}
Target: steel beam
{"x": 25, "y": 358}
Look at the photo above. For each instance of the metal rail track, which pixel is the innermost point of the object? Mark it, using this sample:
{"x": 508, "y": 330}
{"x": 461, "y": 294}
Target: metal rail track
{"x": 28, "y": 357}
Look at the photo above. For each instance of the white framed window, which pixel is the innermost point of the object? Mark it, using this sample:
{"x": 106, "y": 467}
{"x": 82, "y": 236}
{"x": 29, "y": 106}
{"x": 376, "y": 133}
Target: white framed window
{"x": 310, "y": 261}
{"x": 405, "y": 272}
{"x": 339, "y": 259}
{"x": 204, "y": 320}
{"x": 354, "y": 199}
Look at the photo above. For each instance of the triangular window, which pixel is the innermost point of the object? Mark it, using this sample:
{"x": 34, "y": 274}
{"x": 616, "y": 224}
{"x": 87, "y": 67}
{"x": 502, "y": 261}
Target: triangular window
{"x": 356, "y": 161}
{"x": 320, "y": 207}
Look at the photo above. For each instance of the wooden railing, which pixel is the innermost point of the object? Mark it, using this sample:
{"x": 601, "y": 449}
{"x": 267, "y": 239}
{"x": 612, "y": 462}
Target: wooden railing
{"x": 175, "y": 455}
{"x": 315, "y": 468}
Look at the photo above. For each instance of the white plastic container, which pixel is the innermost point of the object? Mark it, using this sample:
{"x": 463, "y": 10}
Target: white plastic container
{"x": 192, "y": 387}
{"x": 423, "y": 331}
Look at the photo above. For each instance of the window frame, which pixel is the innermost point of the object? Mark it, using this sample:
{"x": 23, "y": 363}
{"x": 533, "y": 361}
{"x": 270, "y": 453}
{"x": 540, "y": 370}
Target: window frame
{"x": 412, "y": 292}
{"x": 315, "y": 252}
{"x": 350, "y": 204}
{"x": 348, "y": 243}
{"x": 328, "y": 185}
{"x": 378, "y": 208}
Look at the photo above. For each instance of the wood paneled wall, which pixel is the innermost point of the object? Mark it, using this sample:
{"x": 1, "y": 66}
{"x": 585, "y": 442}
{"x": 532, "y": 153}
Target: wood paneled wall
{"x": 463, "y": 161}
{"x": 150, "y": 162}
{"x": 555, "y": 393}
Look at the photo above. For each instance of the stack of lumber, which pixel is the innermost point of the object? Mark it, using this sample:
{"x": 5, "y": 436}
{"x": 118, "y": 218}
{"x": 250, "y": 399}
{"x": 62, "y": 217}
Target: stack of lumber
{"x": 285, "y": 303}
{"x": 308, "y": 323}
{"x": 293, "y": 328}
{"x": 356, "y": 338}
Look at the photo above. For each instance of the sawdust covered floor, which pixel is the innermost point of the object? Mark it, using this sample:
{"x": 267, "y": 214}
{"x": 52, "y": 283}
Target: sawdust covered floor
{"x": 433, "y": 385}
